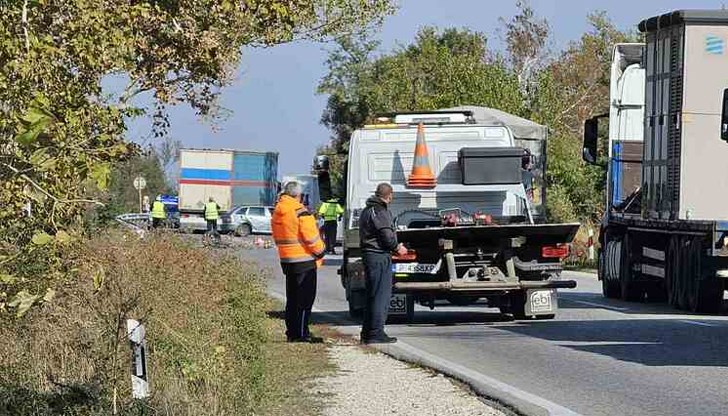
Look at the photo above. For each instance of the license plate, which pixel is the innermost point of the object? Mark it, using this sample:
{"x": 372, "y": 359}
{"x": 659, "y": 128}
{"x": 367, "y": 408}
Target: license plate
{"x": 398, "y": 303}
{"x": 541, "y": 301}
{"x": 413, "y": 268}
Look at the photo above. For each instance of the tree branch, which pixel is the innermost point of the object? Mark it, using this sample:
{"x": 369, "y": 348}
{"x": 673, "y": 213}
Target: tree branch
{"x": 48, "y": 194}
{"x": 25, "y": 25}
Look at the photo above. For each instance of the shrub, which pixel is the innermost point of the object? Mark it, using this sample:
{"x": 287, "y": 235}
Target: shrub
{"x": 205, "y": 316}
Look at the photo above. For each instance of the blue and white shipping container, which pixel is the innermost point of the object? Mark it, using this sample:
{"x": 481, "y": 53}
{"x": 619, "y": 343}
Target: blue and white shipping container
{"x": 231, "y": 177}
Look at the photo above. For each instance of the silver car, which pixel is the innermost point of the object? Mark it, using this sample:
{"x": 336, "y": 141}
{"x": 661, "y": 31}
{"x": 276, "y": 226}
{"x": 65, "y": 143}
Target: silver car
{"x": 246, "y": 220}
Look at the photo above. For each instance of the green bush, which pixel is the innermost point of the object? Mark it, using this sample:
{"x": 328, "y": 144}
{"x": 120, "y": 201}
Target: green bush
{"x": 207, "y": 329}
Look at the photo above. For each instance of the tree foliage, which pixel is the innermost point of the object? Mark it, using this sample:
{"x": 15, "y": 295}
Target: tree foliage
{"x": 454, "y": 67}
{"x": 61, "y": 135}
{"x": 440, "y": 69}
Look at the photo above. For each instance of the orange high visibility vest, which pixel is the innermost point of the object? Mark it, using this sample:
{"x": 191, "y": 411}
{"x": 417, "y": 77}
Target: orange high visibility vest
{"x": 295, "y": 233}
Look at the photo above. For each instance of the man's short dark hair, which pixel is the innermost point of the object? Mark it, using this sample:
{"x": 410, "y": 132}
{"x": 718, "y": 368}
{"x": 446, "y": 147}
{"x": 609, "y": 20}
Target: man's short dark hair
{"x": 383, "y": 190}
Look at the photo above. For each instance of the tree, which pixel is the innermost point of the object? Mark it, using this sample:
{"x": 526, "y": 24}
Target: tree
{"x": 61, "y": 135}
{"x": 572, "y": 88}
{"x": 59, "y": 129}
{"x": 526, "y": 36}
{"x": 440, "y": 69}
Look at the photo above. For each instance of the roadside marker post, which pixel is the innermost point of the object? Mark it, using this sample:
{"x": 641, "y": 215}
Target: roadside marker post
{"x": 139, "y": 377}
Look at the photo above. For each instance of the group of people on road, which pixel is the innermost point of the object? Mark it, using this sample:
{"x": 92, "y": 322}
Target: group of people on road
{"x": 211, "y": 213}
{"x": 302, "y": 250}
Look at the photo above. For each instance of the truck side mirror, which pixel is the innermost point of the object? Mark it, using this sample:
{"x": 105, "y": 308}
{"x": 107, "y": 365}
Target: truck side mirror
{"x": 321, "y": 167}
{"x": 591, "y": 136}
{"x": 724, "y": 117}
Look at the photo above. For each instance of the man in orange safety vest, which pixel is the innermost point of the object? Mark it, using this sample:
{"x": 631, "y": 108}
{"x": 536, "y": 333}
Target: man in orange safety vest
{"x": 301, "y": 252}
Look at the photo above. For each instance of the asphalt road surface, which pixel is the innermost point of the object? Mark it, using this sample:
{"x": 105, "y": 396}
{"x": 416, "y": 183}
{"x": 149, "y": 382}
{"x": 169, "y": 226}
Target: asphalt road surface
{"x": 598, "y": 357}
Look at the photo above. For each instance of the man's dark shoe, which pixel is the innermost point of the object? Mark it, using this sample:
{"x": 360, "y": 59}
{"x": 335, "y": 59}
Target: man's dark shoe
{"x": 379, "y": 340}
{"x": 309, "y": 340}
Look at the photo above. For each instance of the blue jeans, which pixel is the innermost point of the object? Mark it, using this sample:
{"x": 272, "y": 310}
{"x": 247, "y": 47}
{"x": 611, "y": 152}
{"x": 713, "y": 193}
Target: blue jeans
{"x": 378, "y": 280}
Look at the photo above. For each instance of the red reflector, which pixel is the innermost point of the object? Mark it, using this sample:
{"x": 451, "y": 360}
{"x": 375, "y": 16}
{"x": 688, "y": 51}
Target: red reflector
{"x": 553, "y": 252}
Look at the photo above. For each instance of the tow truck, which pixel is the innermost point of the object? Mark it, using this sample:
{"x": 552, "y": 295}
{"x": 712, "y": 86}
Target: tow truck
{"x": 478, "y": 232}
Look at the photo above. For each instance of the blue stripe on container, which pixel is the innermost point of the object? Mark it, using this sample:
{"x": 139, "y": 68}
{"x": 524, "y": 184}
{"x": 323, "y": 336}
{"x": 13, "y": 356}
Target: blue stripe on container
{"x": 209, "y": 174}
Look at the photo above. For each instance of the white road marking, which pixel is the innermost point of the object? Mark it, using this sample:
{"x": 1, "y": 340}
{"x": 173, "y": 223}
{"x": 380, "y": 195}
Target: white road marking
{"x": 598, "y": 305}
{"x": 685, "y": 321}
{"x": 603, "y": 343}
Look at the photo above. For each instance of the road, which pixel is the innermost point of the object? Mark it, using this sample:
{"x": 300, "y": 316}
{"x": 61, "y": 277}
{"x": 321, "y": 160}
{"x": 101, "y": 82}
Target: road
{"x": 598, "y": 357}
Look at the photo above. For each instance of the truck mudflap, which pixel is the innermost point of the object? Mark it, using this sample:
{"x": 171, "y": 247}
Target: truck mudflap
{"x": 459, "y": 286}
{"x": 472, "y": 235}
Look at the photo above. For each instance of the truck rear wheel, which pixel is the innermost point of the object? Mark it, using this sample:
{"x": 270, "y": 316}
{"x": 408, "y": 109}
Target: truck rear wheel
{"x": 356, "y": 301}
{"x": 704, "y": 293}
{"x": 608, "y": 258}
{"x": 630, "y": 290}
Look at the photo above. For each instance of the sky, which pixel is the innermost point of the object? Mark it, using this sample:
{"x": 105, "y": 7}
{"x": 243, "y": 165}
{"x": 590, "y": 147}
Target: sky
{"x": 273, "y": 101}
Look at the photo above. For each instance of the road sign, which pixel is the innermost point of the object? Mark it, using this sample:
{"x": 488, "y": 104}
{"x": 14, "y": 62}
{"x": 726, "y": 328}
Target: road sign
{"x": 140, "y": 183}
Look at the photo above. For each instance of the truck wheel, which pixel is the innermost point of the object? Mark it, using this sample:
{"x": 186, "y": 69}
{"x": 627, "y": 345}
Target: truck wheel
{"x": 518, "y": 305}
{"x": 610, "y": 285}
{"x": 410, "y": 309}
{"x": 630, "y": 290}
{"x": 683, "y": 277}
{"x": 705, "y": 293}
{"x": 356, "y": 300}
{"x": 355, "y": 313}
{"x": 672, "y": 271}
{"x": 243, "y": 230}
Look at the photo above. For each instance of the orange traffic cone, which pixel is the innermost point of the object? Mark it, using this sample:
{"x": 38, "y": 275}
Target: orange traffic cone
{"x": 421, "y": 176}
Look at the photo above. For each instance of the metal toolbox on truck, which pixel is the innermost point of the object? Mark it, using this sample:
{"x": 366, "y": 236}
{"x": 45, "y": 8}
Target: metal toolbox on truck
{"x": 490, "y": 165}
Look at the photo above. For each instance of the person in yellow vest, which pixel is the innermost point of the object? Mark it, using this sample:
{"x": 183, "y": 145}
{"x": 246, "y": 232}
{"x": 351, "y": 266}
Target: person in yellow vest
{"x": 301, "y": 252}
{"x": 159, "y": 212}
{"x": 212, "y": 213}
{"x": 330, "y": 211}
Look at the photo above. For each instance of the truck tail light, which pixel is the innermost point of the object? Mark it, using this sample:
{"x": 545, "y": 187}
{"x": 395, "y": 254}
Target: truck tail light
{"x": 559, "y": 251}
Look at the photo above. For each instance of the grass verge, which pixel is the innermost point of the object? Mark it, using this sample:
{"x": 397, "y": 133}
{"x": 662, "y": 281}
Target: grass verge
{"x": 213, "y": 350}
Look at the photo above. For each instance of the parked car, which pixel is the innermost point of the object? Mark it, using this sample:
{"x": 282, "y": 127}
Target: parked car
{"x": 246, "y": 220}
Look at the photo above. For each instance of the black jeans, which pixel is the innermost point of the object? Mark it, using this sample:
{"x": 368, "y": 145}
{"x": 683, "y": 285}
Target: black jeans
{"x": 330, "y": 228}
{"x": 300, "y": 294}
{"x": 212, "y": 226}
{"x": 378, "y": 269}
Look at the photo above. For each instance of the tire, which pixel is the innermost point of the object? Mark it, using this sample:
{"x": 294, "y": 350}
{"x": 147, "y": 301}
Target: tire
{"x": 610, "y": 285}
{"x": 243, "y": 230}
{"x": 705, "y": 293}
{"x": 410, "y": 309}
{"x": 682, "y": 279}
{"x": 355, "y": 314}
{"x": 518, "y": 305}
{"x": 630, "y": 290}
{"x": 545, "y": 317}
{"x": 672, "y": 272}
{"x": 356, "y": 298}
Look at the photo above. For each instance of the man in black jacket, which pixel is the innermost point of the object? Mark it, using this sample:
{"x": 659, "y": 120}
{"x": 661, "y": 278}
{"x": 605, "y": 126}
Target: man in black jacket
{"x": 378, "y": 241}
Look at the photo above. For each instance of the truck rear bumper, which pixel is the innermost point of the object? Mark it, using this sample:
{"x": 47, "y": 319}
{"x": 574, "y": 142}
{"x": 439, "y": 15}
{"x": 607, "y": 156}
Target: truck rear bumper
{"x": 481, "y": 286}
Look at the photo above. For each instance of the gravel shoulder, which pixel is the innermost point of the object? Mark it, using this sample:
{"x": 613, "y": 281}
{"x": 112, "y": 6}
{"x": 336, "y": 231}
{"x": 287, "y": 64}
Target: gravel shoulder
{"x": 371, "y": 383}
